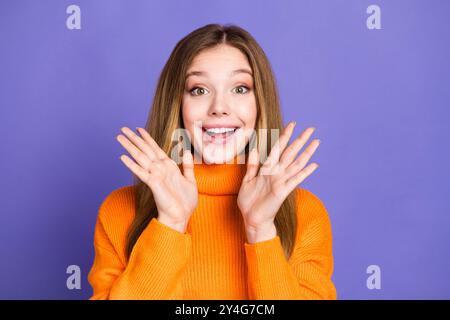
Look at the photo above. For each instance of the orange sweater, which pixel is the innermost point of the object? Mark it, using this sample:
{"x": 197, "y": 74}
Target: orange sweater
{"x": 212, "y": 260}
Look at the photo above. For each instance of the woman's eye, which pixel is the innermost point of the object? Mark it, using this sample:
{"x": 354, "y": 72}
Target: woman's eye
{"x": 241, "y": 89}
{"x": 198, "y": 91}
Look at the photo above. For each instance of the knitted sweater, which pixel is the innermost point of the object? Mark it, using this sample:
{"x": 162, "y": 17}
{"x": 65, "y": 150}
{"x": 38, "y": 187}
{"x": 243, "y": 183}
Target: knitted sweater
{"x": 212, "y": 259}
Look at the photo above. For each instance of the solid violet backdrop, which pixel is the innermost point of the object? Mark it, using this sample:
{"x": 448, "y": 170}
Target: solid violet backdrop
{"x": 379, "y": 100}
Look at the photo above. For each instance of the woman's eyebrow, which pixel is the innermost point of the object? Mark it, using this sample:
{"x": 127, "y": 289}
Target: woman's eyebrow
{"x": 241, "y": 71}
{"x": 204, "y": 73}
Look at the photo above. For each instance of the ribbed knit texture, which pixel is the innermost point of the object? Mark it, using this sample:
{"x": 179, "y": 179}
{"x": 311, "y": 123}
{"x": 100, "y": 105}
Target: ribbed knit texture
{"x": 212, "y": 260}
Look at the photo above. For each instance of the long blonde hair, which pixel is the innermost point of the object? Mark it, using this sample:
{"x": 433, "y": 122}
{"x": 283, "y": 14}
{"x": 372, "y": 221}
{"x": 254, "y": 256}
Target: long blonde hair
{"x": 165, "y": 117}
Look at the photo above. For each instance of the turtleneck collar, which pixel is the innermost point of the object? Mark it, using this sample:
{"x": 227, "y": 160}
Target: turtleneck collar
{"x": 219, "y": 179}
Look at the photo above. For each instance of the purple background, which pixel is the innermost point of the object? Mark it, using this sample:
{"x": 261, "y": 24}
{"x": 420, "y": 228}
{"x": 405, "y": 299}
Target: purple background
{"x": 379, "y": 100}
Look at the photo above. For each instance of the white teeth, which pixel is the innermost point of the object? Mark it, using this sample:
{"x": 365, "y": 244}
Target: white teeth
{"x": 219, "y": 130}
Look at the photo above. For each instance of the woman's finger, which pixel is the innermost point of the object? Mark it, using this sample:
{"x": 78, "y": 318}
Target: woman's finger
{"x": 291, "y": 151}
{"x": 135, "y": 152}
{"x": 252, "y": 165}
{"x": 303, "y": 159}
{"x": 140, "y": 172}
{"x": 294, "y": 181}
{"x": 139, "y": 142}
{"x": 188, "y": 166}
{"x": 279, "y": 147}
{"x": 155, "y": 147}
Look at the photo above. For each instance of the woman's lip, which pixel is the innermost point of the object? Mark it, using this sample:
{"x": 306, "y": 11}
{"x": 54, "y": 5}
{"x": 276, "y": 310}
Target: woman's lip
{"x": 210, "y": 127}
{"x": 218, "y": 139}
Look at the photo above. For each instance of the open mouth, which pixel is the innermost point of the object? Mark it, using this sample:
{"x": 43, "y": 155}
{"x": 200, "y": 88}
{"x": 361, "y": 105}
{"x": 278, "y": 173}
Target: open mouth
{"x": 219, "y": 135}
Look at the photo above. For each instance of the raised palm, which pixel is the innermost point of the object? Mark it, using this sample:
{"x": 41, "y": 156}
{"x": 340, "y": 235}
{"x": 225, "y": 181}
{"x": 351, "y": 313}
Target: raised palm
{"x": 264, "y": 188}
{"x": 175, "y": 193}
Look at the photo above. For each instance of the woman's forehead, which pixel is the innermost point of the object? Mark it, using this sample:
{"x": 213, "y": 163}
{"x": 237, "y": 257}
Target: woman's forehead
{"x": 226, "y": 60}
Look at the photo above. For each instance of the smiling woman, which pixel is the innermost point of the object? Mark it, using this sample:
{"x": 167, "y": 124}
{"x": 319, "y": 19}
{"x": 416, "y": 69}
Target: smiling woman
{"x": 219, "y": 103}
{"x": 216, "y": 229}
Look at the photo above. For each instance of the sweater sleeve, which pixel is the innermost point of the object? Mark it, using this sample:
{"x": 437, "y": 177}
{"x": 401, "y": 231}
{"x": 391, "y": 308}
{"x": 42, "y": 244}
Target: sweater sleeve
{"x": 307, "y": 273}
{"x": 153, "y": 271}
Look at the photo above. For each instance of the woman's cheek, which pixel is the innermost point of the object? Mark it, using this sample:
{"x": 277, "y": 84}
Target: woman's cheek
{"x": 246, "y": 108}
{"x": 192, "y": 112}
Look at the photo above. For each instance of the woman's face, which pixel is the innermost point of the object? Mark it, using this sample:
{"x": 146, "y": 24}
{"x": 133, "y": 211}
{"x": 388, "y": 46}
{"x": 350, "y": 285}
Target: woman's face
{"x": 219, "y": 105}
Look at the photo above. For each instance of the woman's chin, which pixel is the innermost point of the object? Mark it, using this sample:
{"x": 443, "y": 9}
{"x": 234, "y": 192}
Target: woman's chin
{"x": 218, "y": 158}
{"x": 212, "y": 153}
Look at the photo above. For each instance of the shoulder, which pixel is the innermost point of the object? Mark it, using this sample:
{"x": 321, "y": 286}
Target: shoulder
{"x": 118, "y": 202}
{"x": 312, "y": 214}
{"x": 308, "y": 200}
{"x": 118, "y": 206}
{"x": 116, "y": 213}
{"x": 314, "y": 244}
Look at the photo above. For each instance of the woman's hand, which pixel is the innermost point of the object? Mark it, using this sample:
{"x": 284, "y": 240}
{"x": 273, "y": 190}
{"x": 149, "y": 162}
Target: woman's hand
{"x": 175, "y": 193}
{"x": 264, "y": 189}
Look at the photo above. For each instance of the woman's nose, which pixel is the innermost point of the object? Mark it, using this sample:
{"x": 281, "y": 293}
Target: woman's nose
{"x": 219, "y": 107}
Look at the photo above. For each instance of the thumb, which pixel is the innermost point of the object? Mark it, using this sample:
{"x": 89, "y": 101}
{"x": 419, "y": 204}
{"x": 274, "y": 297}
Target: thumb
{"x": 188, "y": 166}
{"x": 252, "y": 165}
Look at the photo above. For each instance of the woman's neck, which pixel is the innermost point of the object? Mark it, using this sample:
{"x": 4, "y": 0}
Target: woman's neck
{"x": 220, "y": 179}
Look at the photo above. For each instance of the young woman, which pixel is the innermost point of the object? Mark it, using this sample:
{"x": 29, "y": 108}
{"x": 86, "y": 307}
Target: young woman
{"x": 216, "y": 228}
